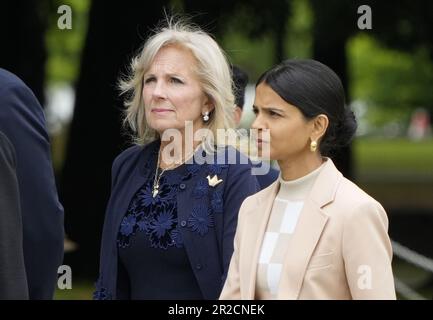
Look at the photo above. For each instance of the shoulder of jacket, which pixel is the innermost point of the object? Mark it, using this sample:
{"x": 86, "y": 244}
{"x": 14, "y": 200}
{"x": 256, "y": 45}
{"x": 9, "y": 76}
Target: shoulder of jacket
{"x": 127, "y": 154}
{"x": 351, "y": 201}
{"x": 348, "y": 191}
{"x": 8, "y": 79}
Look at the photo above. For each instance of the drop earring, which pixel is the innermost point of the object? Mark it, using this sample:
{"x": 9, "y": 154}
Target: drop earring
{"x": 206, "y": 116}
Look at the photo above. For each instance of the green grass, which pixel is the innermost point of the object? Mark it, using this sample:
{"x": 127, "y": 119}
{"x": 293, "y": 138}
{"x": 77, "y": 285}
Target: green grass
{"x": 81, "y": 290}
{"x": 394, "y": 156}
{"x": 396, "y": 172}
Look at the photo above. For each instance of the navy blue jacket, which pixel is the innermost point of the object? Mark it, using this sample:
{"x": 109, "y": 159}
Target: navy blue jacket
{"x": 22, "y": 121}
{"x": 13, "y": 281}
{"x": 266, "y": 180}
{"x": 209, "y": 254}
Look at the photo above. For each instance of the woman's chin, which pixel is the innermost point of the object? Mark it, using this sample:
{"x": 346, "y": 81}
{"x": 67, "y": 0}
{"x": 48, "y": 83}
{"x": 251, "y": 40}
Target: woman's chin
{"x": 162, "y": 124}
{"x": 263, "y": 152}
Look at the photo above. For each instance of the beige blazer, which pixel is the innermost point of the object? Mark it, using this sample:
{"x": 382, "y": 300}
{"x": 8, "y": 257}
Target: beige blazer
{"x": 340, "y": 248}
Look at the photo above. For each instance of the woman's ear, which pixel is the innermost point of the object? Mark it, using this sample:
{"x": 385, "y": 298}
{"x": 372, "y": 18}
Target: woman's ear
{"x": 209, "y": 105}
{"x": 237, "y": 114}
{"x": 320, "y": 124}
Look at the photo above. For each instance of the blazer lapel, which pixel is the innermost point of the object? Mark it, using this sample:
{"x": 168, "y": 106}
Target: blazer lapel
{"x": 312, "y": 221}
{"x": 251, "y": 243}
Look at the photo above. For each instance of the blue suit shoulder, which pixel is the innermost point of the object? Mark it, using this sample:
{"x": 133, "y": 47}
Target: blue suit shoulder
{"x": 18, "y": 103}
{"x": 11, "y": 82}
{"x": 9, "y": 79}
{"x": 243, "y": 163}
{"x": 265, "y": 179}
{"x": 231, "y": 155}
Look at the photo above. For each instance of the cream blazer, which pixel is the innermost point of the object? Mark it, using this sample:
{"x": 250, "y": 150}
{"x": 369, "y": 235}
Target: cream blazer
{"x": 340, "y": 247}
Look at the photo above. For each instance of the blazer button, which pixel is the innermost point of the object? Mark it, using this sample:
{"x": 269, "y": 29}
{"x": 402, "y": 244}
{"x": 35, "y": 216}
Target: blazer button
{"x": 198, "y": 266}
{"x": 182, "y": 186}
{"x": 183, "y": 223}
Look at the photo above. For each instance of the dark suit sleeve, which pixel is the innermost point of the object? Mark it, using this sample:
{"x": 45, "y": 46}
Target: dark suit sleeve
{"x": 22, "y": 121}
{"x": 13, "y": 281}
{"x": 240, "y": 185}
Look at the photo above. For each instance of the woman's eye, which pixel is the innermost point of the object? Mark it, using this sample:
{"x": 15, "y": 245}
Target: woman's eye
{"x": 255, "y": 111}
{"x": 176, "y": 80}
{"x": 149, "y": 80}
{"x": 273, "y": 113}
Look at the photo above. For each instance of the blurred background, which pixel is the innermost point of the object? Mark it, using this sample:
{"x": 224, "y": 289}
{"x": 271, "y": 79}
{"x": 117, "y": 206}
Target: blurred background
{"x": 387, "y": 72}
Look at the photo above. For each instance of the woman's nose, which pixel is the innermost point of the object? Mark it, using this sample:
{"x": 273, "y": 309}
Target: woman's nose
{"x": 159, "y": 90}
{"x": 257, "y": 123}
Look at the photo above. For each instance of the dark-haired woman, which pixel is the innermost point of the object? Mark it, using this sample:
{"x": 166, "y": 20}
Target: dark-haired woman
{"x": 312, "y": 234}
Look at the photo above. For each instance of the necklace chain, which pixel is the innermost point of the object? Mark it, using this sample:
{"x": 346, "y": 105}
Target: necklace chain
{"x": 157, "y": 177}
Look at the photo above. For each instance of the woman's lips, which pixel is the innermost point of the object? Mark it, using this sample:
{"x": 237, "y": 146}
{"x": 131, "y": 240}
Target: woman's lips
{"x": 260, "y": 142}
{"x": 161, "y": 110}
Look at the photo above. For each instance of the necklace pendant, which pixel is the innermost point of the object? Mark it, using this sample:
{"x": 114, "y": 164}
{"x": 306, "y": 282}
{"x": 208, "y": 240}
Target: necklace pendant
{"x": 155, "y": 191}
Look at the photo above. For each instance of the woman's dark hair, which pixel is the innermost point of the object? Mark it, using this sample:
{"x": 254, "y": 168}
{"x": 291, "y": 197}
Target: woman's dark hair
{"x": 314, "y": 89}
{"x": 240, "y": 81}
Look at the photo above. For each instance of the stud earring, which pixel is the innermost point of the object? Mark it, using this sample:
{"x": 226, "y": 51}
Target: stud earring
{"x": 313, "y": 146}
{"x": 206, "y": 116}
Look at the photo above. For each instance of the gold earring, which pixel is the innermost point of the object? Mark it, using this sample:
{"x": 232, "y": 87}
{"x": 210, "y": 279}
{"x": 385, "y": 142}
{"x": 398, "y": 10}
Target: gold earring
{"x": 313, "y": 146}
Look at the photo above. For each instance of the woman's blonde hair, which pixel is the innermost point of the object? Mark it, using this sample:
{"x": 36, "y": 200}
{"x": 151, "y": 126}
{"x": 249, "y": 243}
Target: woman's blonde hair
{"x": 212, "y": 70}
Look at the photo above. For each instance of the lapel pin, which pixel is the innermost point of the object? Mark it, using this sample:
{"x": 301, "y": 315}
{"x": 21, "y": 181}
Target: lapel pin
{"x": 214, "y": 181}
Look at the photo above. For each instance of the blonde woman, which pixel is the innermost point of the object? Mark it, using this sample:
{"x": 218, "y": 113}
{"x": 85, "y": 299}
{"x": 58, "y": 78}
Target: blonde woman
{"x": 170, "y": 220}
{"x": 312, "y": 234}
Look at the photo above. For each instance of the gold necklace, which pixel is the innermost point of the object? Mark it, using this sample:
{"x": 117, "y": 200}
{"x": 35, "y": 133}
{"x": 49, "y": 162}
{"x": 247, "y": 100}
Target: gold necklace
{"x": 156, "y": 179}
{"x": 155, "y": 189}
